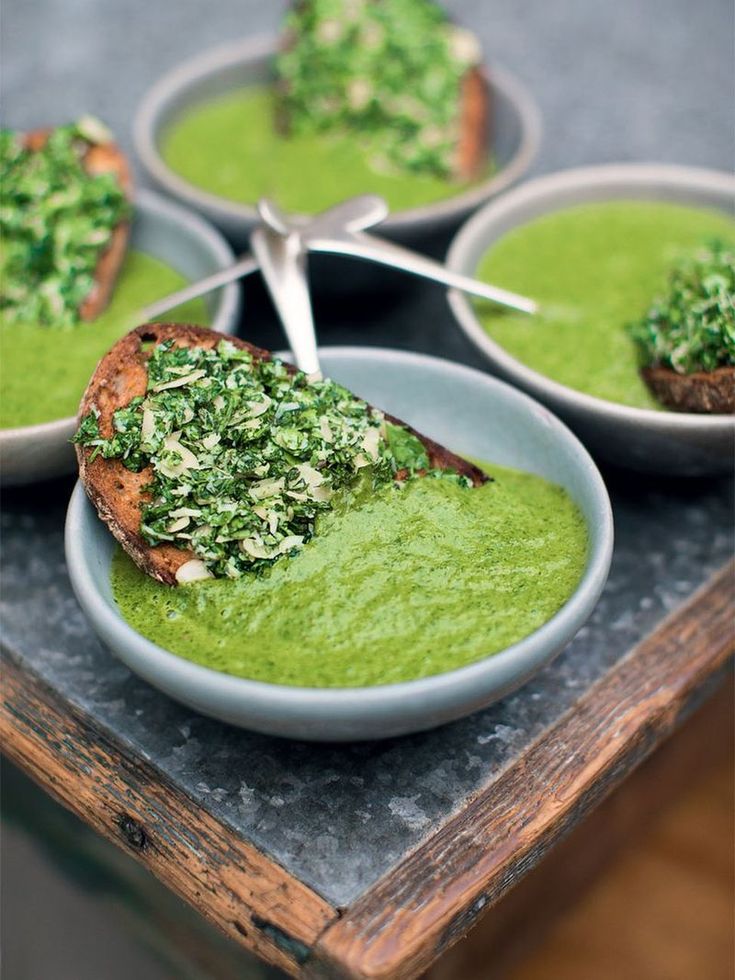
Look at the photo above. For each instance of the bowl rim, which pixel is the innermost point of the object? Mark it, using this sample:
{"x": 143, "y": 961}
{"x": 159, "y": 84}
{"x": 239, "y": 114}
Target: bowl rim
{"x": 531, "y": 651}
{"x": 225, "y": 319}
{"x": 189, "y": 73}
{"x": 565, "y": 182}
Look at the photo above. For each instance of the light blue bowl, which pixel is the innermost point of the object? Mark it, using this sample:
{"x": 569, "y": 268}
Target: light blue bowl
{"x": 472, "y": 413}
{"x": 671, "y": 443}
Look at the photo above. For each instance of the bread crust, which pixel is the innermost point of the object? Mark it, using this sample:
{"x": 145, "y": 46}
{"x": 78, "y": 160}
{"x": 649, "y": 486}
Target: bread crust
{"x": 99, "y": 158}
{"x": 474, "y": 124}
{"x": 116, "y": 492}
{"x": 703, "y": 392}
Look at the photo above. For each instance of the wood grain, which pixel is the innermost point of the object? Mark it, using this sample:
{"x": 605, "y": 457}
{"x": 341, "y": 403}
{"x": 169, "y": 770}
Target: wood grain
{"x": 432, "y": 899}
{"x": 523, "y": 931}
{"x": 250, "y": 897}
{"x": 664, "y": 911}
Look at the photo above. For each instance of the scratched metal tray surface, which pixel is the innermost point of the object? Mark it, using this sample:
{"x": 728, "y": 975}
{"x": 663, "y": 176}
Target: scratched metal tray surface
{"x": 339, "y": 817}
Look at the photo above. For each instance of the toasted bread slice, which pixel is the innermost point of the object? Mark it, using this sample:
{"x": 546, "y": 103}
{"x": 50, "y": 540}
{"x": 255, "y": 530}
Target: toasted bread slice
{"x": 116, "y": 492}
{"x": 100, "y": 158}
{"x": 702, "y": 392}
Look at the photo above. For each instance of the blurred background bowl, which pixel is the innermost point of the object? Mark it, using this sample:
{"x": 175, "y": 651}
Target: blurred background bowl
{"x": 515, "y": 135}
{"x": 673, "y": 443}
{"x": 187, "y": 244}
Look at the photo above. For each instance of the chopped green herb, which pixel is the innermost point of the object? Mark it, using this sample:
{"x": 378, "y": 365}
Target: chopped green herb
{"x": 245, "y": 455}
{"x": 692, "y": 327}
{"x": 408, "y": 451}
{"x": 55, "y": 221}
{"x": 391, "y": 72}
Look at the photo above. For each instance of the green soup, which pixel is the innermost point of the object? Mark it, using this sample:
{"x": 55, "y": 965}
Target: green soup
{"x": 46, "y": 369}
{"x": 594, "y": 269}
{"x": 229, "y": 147}
{"x": 411, "y": 582}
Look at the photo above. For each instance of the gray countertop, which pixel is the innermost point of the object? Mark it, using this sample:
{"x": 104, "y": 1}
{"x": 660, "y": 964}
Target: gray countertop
{"x": 624, "y": 81}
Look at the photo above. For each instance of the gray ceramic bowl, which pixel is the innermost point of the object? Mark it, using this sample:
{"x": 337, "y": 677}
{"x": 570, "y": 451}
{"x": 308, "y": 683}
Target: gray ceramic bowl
{"x": 185, "y": 242}
{"x": 674, "y": 443}
{"x": 515, "y": 139}
{"x": 464, "y": 409}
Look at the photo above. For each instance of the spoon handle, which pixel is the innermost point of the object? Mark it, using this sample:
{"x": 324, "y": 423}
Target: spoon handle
{"x": 354, "y": 214}
{"x": 282, "y": 262}
{"x": 362, "y": 246}
{"x": 244, "y": 266}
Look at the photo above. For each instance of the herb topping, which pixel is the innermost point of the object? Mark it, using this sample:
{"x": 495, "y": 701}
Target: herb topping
{"x": 390, "y": 71}
{"x": 55, "y": 221}
{"x": 692, "y": 327}
{"x": 245, "y": 455}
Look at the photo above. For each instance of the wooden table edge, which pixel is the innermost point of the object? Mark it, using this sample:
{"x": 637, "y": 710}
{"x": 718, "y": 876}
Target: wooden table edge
{"x": 248, "y": 895}
{"x": 403, "y": 923}
{"x": 407, "y": 919}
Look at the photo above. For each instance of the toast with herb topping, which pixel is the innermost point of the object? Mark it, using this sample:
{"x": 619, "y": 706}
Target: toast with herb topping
{"x": 686, "y": 338}
{"x": 119, "y": 492}
{"x": 101, "y": 156}
{"x": 401, "y": 74}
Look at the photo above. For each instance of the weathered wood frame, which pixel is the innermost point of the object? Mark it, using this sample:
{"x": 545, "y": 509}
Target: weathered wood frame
{"x": 432, "y": 898}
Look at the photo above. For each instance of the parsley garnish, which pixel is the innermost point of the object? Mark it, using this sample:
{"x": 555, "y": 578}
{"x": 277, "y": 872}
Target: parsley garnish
{"x": 245, "y": 456}
{"x": 405, "y": 447}
{"x": 55, "y": 221}
{"x": 692, "y": 327}
{"x": 391, "y": 72}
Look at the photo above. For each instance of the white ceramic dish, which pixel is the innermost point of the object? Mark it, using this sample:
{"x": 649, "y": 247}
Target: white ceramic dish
{"x": 465, "y": 409}
{"x": 185, "y": 242}
{"x": 679, "y": 444}
{"x": 515, "y": 138}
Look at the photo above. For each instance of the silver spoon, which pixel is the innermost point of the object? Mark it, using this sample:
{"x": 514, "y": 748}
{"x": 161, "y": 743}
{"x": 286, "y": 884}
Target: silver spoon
{"x": 340, "y": 231}
{"x": 279, "y": 246}
{"x": 355, "y": 213}
{"x": 279, "y": 251}
{"x": 329, "y": 232}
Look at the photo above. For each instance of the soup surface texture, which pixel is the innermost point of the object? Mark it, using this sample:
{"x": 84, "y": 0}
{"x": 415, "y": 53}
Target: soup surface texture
{"x": 45, "y": 369}
{"x": 229, "y": 147}
{"x": 402, "y": 584}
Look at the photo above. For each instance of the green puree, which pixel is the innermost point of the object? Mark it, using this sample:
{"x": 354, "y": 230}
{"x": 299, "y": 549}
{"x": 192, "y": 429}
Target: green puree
{"x": 594, "y": 269}
{"x": 411, "y": 582}
{"x": 44, "y": 370}
{"x": 229, "y": 147}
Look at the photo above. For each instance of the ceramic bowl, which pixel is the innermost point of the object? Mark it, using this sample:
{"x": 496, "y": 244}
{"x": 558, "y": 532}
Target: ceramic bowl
{"x": 515, "y": 138}
{"x": 673, "y": 443}
{"x": 463, "y": 408}
{"x": 185, "y": 242}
